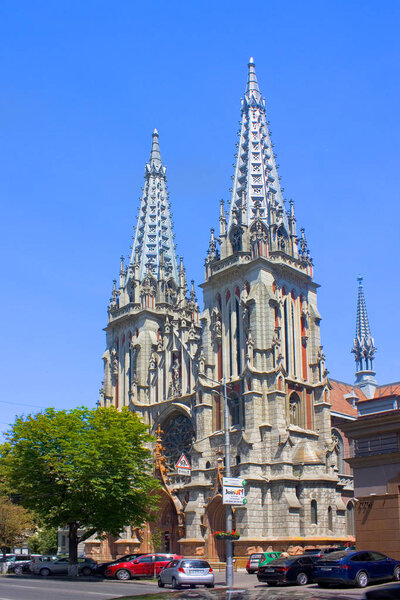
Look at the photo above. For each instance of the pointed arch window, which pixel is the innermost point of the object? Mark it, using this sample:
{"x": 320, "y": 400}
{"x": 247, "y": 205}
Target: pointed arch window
{"x": 295, "y": 410}
{"x": 330, "y": 518}
{"x": 236, "y": 413}
{"x": 236, "y": 239}
{"x": 314, "y": 512}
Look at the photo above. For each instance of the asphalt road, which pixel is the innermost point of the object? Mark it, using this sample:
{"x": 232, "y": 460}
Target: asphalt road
{"x": 14, "y": 587}
{"x": 60, "y": 588}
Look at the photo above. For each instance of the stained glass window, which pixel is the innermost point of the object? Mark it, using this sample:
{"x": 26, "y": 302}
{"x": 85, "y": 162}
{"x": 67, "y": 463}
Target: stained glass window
{"x": 178, "y": 437}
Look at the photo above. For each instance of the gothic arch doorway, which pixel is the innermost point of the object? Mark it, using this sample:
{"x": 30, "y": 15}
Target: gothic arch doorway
{"x": 215, "y": 520}
{"x": 164, "y": 531}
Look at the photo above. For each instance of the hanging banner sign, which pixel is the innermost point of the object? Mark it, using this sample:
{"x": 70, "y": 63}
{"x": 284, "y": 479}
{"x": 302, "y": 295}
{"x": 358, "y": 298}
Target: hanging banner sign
{"x": 183, "y": 466}
{"x": 233, "y": 495}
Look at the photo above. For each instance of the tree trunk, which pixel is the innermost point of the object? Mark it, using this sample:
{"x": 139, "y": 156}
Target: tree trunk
{"x": 73, "y": 549}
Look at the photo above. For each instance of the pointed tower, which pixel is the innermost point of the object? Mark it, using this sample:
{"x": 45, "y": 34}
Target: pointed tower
{"x": 364, "y": 347}
{"x": 153, "y": 326}
{"x": 154, "y": 236}
{"x": 261, "y": 335}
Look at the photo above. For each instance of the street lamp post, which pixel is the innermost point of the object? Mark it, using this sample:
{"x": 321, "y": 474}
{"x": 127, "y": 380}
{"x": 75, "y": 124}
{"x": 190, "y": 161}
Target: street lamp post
{"x": 228, "y": 508}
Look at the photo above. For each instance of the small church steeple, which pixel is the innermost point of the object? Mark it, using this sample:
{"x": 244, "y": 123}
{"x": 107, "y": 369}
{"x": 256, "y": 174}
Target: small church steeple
{"x": 364, "y": 347}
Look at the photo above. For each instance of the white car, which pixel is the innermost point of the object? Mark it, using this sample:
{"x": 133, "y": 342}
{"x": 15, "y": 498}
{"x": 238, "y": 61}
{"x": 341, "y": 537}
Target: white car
{"x": 187, "y": 571}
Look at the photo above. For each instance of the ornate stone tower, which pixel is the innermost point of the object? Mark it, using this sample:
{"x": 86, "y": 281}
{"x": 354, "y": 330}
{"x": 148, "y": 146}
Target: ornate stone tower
{"x": 261, "y": 333}
{"x": 153, "y": 327}
{"x": 364, "y": 347}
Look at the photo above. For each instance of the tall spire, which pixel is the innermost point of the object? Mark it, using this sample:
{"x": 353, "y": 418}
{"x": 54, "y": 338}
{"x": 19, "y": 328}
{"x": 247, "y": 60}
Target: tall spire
{"x": 154, "y": 239}
{"x": 364, "y": 346}
{"x": 256, "y": 180}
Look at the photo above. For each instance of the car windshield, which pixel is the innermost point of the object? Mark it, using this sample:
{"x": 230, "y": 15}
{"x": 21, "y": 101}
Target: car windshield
{"x": 334, "y": 556}
{"x": 195, "y": 564}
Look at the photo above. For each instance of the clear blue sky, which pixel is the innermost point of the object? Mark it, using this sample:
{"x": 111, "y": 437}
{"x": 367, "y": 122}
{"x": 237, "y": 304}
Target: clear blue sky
{"x": 83, "y": 84}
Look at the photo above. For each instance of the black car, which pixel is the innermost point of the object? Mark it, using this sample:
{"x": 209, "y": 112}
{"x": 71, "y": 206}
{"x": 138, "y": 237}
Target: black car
{"x": 101, "y": 568}
{"x": 294, "y": 569}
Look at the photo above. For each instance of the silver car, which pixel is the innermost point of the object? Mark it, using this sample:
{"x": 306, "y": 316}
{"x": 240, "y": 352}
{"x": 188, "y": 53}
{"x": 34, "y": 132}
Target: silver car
{"x": 60, "y": 567}
{"x": 187, "y": 571}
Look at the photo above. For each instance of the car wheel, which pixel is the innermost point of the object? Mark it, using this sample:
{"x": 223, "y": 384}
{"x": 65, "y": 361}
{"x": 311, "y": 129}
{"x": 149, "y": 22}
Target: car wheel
{"x": 209, "y": 585}
{"x": 44, "y": 572}
{"x": 122, "y": 575}
{"x": 302, "y": 579}
{"x": 396, "y": 574}
{"x": 362, "y": 579}
{"x": 160, "y": 583}
{"x": 18, "y": 570}
{"x": 250, "y": 572}
{"x": 175, "y": 585}
{"x": 86, "y": 571}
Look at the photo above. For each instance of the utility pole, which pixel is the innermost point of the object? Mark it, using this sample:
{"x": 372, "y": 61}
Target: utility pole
{"x": 228, "y": 508}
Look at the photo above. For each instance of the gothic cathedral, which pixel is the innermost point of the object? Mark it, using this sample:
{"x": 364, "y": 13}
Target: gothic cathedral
{"x": 259, "y": 332}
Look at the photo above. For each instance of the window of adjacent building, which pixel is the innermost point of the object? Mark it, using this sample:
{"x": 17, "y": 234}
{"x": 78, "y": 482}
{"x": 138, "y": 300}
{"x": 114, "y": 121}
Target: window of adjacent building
{"x": 314, "y": 512}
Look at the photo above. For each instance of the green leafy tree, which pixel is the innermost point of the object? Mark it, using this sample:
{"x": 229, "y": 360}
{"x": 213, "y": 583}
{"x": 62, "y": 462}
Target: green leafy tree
{"x": 81, "y": 468}
{"x": 15, "y": 524}
{"x": 44, "y": 541}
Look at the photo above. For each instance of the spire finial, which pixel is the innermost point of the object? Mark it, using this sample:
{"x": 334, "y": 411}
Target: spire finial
{"x": 155, "y": 155}
{"x": 252, "y": 83}
{"x": 364, "y": 346}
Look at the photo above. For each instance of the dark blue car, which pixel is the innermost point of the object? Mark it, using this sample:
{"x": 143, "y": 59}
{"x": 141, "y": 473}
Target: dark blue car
{"x": 355, "y": 568}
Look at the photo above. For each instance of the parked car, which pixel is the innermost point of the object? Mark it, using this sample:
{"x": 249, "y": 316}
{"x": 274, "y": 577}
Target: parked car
{"x": 101, "y": 568}
{"x": 252, "y": 563}
{"x": 60, "y": 567}
{"x": 19, "y": 562}
{"x": 147, "y": 565}
{"x": 294, "y": 569}
{"x": 321, "y": 551}
{"x": 186, "y": 571}
{"x": 355, "y": 568}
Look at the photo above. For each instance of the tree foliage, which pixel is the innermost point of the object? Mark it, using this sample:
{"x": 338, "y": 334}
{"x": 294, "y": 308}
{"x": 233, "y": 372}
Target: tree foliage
{"x": 15, "y": 524}
{"x": 44, "y": 541}
{"x": 81, "y": 468}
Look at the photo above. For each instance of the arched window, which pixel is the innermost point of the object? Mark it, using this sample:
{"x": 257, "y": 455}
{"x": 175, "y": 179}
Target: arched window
{"x": 208, "y": 464}
{"x": 295, "y": 410}
{"x": 236, "y": 411}
{"x": 178, "y": 437}
{"x": 330, "y": 518}
{"x": 350, "y": 518}
{"x": 236, "y": 239}
{"x": 314, "y": 512}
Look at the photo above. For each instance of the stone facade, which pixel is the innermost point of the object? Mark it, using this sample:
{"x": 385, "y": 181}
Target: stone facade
{"x": 259, "y": 333}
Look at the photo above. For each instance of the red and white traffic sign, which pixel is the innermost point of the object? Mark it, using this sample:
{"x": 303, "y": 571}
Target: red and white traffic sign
{"x": 183, "y": 466}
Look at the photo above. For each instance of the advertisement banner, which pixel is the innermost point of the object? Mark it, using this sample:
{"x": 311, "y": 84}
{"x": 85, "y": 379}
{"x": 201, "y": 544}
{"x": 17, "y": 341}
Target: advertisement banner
{"x": 232, "y": 495}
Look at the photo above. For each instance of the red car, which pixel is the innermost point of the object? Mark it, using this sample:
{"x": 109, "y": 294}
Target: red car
{"x": 148, "y": 565}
